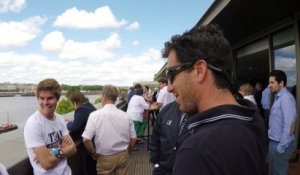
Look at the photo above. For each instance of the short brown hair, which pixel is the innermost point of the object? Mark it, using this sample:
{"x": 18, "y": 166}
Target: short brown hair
{"x": 110, "y": 92}
{"x": 163, "y": 80}
{"x": 77, "y": 97}
{"x": 49, "y": 84}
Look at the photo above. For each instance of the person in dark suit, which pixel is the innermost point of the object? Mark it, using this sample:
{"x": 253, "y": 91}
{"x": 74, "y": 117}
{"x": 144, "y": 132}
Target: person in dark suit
{"x": 168, "y": 134}
{"x": 76, "y": 127}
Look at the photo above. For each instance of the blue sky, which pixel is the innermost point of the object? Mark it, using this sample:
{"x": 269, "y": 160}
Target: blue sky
{"x": 90, "y": 42}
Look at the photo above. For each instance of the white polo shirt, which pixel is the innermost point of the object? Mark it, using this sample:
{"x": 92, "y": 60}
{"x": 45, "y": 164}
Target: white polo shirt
{"x": 112, "y": 129}
{"x": 165, "y": 97}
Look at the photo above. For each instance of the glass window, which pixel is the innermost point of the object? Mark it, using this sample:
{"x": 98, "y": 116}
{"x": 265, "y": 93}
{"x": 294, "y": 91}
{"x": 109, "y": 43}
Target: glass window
{"x": 285, "y": 60}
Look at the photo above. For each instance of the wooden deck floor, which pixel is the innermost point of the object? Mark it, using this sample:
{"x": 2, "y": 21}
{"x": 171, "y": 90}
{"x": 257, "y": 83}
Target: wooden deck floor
{"x": 139, "y": 161}
{"x": 140, "y": 165}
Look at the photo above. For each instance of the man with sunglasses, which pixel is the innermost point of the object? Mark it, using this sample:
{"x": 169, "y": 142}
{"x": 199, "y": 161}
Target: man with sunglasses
{"x": 226, "y": 136}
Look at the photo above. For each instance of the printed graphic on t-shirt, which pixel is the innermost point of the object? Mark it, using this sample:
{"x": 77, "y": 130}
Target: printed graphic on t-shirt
{"x": 55, "y": 139}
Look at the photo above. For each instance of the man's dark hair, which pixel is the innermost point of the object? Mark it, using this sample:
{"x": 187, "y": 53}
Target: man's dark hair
{"x": 204, "y": 43}
{"x": 279, "y": 76}
{"x": 163, "y": 80}
{"x": 139, "y": 91}
{"x": 138, "y": 85}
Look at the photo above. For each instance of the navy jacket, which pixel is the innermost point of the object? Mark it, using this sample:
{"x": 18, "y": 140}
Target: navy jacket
{"x": 164, "y": 140}
{"x": 81, "y": 116}
{"x": 225, "y": 140}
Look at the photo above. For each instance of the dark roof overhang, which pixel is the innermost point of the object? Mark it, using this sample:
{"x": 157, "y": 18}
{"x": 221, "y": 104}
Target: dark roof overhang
{"x": 241, "y": 19}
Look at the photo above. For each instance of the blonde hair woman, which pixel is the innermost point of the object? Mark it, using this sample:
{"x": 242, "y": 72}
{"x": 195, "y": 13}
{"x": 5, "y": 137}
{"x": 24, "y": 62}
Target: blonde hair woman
{"x": 247, "y": 92}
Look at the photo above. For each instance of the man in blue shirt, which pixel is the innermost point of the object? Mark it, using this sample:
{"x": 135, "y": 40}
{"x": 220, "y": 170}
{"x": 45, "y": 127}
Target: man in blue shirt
{"x": 281, "y": 124}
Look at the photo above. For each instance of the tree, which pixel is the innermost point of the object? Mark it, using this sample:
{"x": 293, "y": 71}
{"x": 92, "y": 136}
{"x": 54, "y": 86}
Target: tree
{"x": 72, "y": 89}
{"x": 91, "y": 87}
{"x": 97, "y": 101}
{"x": 64, "y": 106}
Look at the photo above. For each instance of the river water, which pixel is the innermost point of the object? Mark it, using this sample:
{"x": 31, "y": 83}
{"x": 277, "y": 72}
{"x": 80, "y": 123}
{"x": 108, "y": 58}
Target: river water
{"x": 20, "y": 108}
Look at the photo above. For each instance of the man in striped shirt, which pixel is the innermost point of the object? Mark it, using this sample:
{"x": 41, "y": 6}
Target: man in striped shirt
{"x": 226, "y": 136}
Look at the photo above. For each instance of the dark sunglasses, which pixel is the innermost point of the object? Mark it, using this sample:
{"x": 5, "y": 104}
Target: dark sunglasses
{"x": 171, "y": 72}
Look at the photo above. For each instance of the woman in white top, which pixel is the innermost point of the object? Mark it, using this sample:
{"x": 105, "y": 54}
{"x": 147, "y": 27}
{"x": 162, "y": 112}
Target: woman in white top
{"x": 247, "y": 92}
{"x": 135, "y": 110}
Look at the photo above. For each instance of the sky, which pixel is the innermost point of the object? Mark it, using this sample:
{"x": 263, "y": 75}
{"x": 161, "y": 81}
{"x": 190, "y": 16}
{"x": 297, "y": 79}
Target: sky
{"x": 90, "y": 42}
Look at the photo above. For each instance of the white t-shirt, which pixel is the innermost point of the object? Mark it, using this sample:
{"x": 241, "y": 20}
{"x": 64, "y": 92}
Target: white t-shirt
{"x": 3, "y": 170}
{"x": 165, "y": 97}
{"x": 112, "y": 129}
{"x": 136, "y": 107}
{"x": 39, "y": 131}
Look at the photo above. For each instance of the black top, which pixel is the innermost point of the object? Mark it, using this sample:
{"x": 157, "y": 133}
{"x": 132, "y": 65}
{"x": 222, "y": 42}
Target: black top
{"x": 225, "y": 140}
{"x": 81, "y": 116}
{"x": 164, "y": 139}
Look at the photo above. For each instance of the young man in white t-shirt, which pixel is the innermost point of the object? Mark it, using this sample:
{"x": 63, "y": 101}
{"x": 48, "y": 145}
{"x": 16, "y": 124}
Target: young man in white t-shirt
{"x": 46, "y": 137}
{"x": 164, "y": 96}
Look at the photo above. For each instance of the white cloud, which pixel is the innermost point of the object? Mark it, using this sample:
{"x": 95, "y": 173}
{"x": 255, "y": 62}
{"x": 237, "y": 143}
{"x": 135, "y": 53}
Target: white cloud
{"x": 135, "y": 43}
{"x": 20, "y": 33}
{"x": 81, "y": 19}
{"x": 285, "y": 63}
{"x": 73, "y": 50}
{"x": 133, "y": 26}
{"x": 131, "y": 69}
{"x": 53, "y": 41}
{"x": 32, "y": 68}
{"x": 10, "y": 59}
{"x": 289, "y": 50}
{"x": 12, "y": 5}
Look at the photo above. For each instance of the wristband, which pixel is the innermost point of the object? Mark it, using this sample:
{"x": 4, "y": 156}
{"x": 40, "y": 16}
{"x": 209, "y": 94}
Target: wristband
{"x": 54, "y": 152}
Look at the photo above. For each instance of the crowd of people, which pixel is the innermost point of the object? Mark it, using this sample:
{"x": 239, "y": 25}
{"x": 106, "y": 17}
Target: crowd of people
{"x": 202, "y": 124}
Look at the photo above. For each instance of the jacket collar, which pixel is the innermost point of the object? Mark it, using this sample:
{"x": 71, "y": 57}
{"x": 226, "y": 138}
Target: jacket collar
{"x": 245, "y": 112}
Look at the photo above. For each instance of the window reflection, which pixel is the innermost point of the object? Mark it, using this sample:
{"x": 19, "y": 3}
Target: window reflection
{"x": 285, "y": 60}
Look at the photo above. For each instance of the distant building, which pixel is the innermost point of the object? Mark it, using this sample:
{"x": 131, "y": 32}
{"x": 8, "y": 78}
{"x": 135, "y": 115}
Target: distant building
{"x": 16, "y": 87}
{"x": 8, "y": 87}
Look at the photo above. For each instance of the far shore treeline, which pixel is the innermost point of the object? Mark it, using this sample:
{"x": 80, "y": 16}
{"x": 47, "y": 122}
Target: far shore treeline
{"x": 86, "y": 88}
{"x": 65, "y": 105}
{"x": 65, "y": 87}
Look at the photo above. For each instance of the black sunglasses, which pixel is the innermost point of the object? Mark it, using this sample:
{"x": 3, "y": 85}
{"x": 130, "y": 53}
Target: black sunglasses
{"x": 171, "y": 72}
